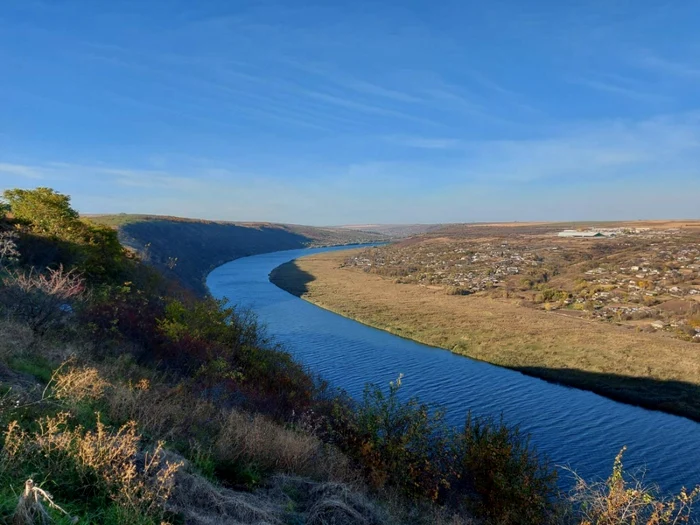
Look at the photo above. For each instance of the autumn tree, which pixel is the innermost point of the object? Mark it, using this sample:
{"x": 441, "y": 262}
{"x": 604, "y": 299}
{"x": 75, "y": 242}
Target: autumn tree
{"x": 44, "y": 210}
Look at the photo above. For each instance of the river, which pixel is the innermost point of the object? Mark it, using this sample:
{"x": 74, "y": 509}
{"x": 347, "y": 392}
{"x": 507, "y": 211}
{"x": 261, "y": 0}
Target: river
{"x": 572, "y": 427}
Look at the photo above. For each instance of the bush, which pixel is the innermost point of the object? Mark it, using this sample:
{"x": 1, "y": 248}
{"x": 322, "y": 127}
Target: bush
{"x": 406, "y": 445}
{"x": 502, "y": 476}
{"x": 9, "y": 254}
{"x": 40, "y": 300}
{"x": 624, "y": 500}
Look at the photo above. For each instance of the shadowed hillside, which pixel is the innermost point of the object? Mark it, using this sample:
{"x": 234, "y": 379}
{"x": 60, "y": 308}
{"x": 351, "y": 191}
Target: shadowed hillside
{"x": 189, "y": 249}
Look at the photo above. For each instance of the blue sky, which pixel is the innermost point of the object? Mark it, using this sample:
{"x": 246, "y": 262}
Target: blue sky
{"x": 355, "y": 111}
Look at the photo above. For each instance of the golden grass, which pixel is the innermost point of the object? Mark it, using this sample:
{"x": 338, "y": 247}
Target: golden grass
{"x": 652, "y": 370}
{"x": 137, "y": 480}
{"x": 253, "y": 437}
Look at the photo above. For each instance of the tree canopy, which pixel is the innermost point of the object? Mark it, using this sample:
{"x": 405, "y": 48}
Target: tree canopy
{"x": 46, "y": 215}
{"x": 44, "y": 210}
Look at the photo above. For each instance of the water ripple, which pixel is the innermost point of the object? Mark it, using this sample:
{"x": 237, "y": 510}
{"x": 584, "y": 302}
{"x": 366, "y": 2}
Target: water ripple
{"x": 571, "y": 426}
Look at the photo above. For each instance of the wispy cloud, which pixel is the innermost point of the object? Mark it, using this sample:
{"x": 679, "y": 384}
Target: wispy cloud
{"x": 424, "y": 142}
{"x": 660, "y": 64}
{"x": 20, "y": 170}
{"x": 615, "y": 89}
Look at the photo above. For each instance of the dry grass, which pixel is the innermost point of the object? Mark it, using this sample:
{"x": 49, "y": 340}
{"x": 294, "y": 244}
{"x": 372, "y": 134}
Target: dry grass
{"x": 552, "y": 346}
{"x": 112, "y": 461}
{"x": 622, "y": 500}
{"x": 78, "y": 384}
{"x": 200, "y": 502}
{"x": 15, "y": 339}
{"x": 286, "y": 499}
{"x": 253, "y": 437}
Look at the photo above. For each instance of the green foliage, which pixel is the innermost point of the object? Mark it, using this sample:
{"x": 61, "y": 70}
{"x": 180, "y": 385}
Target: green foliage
{"x": 547, "y": 295}
{"x": 503, "y": 477}
{"x": 46, "y": 211}
{"x": 210, "y": 320}
{"x": 37, "y": 366}
{"x": 488, "y": 467}
{"x": 203, "y": 460}
{"x": 405, "y": 444}
{"x": 53, "y": 235}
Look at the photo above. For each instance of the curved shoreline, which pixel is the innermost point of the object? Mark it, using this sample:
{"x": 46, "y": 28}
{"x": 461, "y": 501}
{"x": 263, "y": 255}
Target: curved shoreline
{"x": 668, "y": 396}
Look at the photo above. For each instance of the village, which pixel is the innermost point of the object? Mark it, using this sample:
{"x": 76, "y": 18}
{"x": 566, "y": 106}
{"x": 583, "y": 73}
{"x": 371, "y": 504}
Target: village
{"x": 644, "y": 278}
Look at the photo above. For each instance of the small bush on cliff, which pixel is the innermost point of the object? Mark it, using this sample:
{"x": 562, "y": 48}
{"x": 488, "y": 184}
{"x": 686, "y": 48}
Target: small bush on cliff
{"x": 502, "y": 476}
{"x": 40, "y": 300}
{"x": 489, "y": 468}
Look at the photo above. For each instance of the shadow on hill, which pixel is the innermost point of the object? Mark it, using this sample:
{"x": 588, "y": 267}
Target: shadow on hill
{"x": 189, "y": 250}
{"x": 291, "y": 278}
{"x": 675, "y": 397}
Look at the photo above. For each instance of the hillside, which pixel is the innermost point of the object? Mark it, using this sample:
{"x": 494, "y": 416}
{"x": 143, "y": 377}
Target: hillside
{"x": 126, "y": 399}
{"x": 189, "y": 249}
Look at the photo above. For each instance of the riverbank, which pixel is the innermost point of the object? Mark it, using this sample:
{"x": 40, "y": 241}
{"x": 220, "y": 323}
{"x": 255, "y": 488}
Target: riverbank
{"x": 649, "y": 370}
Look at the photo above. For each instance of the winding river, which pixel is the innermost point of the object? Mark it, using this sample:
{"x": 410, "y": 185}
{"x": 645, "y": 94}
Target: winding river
{"x": 572, "y": 427}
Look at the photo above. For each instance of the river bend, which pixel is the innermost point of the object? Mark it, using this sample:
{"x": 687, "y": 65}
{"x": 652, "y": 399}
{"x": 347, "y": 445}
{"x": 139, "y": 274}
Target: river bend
{"x": 573, "y": 427}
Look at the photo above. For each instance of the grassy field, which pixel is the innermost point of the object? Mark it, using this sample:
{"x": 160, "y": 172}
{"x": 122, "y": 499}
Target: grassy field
{"x": 652, "y": 370}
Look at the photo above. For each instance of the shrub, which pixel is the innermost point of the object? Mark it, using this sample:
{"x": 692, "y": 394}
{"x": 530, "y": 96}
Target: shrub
{"x": 502, "y": 476}
{"x": 40, "y": 299}
{"x": 547, "y": 295}
{"x": 624, "y": 500}
{"x": 43, "y": 209}
{"x": 398, "y": 444}
{"x": 9, "y": 254}
{"x": 457, "y": 290}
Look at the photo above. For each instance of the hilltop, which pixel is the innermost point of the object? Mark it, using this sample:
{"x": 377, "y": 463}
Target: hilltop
{"x": 189, "y": 249}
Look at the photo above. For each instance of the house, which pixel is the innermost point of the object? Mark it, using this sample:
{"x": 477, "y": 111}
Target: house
{"x": 580, "y": 233}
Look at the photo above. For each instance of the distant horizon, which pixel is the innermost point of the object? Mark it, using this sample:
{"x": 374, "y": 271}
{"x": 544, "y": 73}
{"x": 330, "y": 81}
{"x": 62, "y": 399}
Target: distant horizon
{"x": 360, "y": 226}
{"x": 355, "y": 112}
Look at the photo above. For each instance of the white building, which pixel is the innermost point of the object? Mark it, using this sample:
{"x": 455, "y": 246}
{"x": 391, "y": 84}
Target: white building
{"x": 579, "y": 233}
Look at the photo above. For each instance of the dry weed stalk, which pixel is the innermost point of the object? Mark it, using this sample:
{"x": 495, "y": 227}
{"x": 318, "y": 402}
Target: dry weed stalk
{"x": 78, "y": 384}
{"x": 30, "y": 507}
{"x": 619, "y": 501}
{"x": 138, "y": 481}
{"x": 9, "y": 253}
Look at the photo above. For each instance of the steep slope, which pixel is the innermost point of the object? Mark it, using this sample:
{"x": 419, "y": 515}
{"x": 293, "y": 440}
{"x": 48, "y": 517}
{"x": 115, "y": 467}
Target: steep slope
{"x": 189, "y": 248}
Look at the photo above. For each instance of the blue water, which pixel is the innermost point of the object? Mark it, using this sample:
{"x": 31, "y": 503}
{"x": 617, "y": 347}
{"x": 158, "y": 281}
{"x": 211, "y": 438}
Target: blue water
{"x": 572, "y": 427}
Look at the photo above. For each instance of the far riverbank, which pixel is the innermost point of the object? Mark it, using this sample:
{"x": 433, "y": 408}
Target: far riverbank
{"x": 647, "y": 370}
